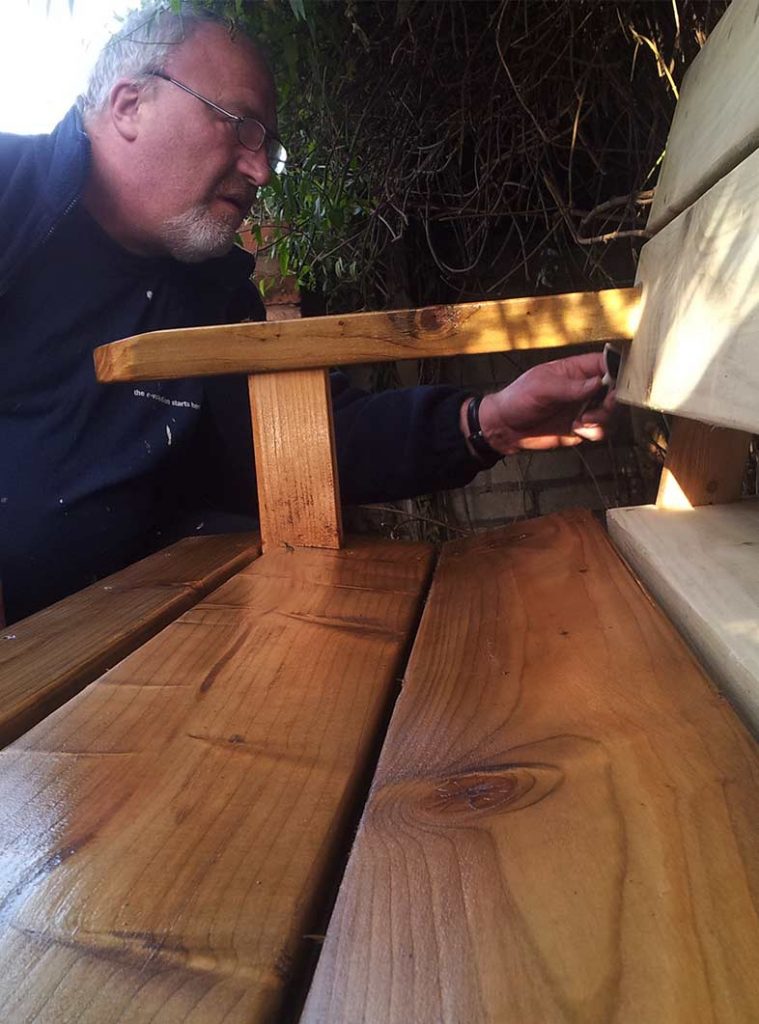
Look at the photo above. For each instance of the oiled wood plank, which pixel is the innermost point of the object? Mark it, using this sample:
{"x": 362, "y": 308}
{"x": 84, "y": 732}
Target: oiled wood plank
{"x": 547, "y": 321}
{"x": 695, "y": 350}
{"x": 716, "y": 123}
{"x": 702, "y": 566}
{"x": 48, "y": 657}
{"x": 168, "y": 837}
{"x": 296, "y": 467}
{"x": 705, "y": 465}
{"x": 563, "y": 825}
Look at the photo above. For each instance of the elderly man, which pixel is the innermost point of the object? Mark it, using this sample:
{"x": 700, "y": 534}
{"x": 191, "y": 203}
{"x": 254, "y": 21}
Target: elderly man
{"x": 122, "y": 221}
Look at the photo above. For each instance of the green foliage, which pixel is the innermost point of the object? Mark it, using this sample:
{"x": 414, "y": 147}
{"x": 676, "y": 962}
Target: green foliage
{"x": 496, "y": 146}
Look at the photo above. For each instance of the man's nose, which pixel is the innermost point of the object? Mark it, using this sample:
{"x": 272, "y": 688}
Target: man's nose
{"x": 254, "y": 166}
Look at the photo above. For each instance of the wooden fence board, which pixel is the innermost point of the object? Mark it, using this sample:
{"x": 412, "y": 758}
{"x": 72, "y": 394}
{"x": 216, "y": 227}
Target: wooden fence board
{"x": 168, "y": 835}
{"x": 563, "y": 824}
{"x": 702, "y": 566}
{"x": 716, "y": 123}
{"x": 50, "y": 656}
{"x": 547, "y": 321}
{"x": 695, "y": 347}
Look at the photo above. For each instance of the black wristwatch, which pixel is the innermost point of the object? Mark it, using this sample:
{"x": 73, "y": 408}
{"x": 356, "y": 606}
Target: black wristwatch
{"x": 476, "y": 438}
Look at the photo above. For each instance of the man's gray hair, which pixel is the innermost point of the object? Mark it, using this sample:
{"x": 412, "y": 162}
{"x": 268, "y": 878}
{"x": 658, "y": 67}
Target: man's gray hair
{"x": 141, "y": 46}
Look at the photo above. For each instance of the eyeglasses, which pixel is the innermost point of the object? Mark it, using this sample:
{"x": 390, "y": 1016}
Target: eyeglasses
{"x": 250, "y": 132}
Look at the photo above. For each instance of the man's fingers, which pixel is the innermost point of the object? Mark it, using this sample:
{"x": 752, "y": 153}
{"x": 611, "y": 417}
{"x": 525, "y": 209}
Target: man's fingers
{"x": 547, "y": 441}
{"x": 590, "y": 431}
{"x": 589, "y": 364}
{"x": 568, "y": 390}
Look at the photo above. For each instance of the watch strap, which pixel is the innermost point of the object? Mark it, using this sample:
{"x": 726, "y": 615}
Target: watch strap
{"x": 476, "y": 438}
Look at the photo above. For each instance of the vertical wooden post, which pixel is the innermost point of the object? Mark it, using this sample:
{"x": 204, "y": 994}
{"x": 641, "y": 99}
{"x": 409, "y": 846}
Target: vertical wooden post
{"x": 704, "y": 465}
{"x": 293, "y": 439}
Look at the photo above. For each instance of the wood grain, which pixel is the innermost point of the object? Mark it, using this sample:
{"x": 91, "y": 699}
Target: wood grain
{"x": 296, "y": 468}
{"x": 531, "y": 323}
{"x": 702, "y": 566}
{"x": 695, "y": 348}
{"x": 169, "y": 836}
{"x": 563, "y": 824}
{"x": 716, "y": 123}
{"x": 705, "y": 465}
{"x": 50, "y": 656}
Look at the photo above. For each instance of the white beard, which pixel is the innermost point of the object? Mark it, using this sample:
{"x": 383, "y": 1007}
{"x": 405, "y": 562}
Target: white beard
{"x": 198, "y": 235}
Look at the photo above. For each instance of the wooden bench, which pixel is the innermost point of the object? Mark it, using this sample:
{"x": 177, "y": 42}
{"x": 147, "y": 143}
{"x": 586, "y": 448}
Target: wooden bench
{"x": 554, "y": 818}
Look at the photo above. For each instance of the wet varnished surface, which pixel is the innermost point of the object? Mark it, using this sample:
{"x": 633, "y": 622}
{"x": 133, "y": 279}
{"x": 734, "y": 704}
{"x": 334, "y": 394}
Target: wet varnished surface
{"x": 50, "y": 656}
{"x": 167, "y": 837}
{"x": 564, "y": 824}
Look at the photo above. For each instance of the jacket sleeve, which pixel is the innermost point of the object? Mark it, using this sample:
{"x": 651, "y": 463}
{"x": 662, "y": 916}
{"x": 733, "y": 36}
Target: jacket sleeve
{"x": 398, "y": 444}
{"x": 390, "y": 445}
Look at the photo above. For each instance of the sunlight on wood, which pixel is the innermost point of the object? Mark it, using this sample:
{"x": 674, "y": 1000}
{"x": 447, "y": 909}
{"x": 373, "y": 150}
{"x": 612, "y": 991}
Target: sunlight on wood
{"x": 671, "y": 494}
{"x": 536, "y": 322}
{"x": 694, "y": 351}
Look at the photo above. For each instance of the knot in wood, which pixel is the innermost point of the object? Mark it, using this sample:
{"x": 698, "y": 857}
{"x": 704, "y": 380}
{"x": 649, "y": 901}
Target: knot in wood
{"x": 492, "y": 791}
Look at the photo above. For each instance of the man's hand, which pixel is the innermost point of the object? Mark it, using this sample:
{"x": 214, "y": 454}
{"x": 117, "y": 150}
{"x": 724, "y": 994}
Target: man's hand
{"x": 543, "y": 407}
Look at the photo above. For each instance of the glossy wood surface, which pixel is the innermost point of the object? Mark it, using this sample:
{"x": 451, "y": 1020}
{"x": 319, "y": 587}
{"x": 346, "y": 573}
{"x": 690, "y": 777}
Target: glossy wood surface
{"x": 564, "y": 824}
{"x": 53, "y": 654}
{"x": 549, "y": 321}
{"x": 170, "y": 836}
{"x": 296, "y": 469}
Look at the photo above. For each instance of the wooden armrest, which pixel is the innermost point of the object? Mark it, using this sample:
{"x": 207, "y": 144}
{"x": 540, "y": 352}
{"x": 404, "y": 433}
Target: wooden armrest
{"x": 549, "y": 321}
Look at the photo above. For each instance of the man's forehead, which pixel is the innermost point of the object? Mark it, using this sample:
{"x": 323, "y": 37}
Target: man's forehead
{"x": 213, "y": 60}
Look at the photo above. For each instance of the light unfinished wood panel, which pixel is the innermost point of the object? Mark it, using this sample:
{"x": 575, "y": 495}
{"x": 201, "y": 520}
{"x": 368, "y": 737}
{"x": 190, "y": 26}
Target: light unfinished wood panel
{"x": 705, "y": 465}
{"x": 296, "y": 468}
{"x": 168, "y": 838}
{"x": 46, "y": 658}
{"x": 702, "y": 566}
{"x": 696, "y": 350}
{"x": 548, "y": 321}
{"x": 563, "y": 824}
{"x": 716, "y": 123}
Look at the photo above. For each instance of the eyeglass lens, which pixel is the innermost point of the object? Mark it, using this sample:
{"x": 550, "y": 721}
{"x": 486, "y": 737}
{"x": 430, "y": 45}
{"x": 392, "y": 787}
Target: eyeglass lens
{"x": 253, "y": 135}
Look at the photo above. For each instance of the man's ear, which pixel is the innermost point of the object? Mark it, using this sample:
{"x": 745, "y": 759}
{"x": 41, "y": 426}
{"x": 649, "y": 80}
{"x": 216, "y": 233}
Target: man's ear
{"x": 125, "y": 102}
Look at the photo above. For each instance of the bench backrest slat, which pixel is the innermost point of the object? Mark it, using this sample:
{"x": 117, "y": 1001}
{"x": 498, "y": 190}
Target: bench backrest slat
{"x": 696, "y": 350}
{"x": 716, "y": 123}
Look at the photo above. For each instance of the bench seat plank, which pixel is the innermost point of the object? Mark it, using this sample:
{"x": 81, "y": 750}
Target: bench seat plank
{"x": 169, "y": 835}
{"x": 695, "y": 348}
{"x": 563, "y": 824}
{"x": 702, "y": 566}
{"x": 50, "y": 656}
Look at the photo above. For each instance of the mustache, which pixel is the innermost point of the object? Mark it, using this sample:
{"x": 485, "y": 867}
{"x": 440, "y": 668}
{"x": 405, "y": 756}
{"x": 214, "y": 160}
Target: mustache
{"x": 243, "y": 195}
